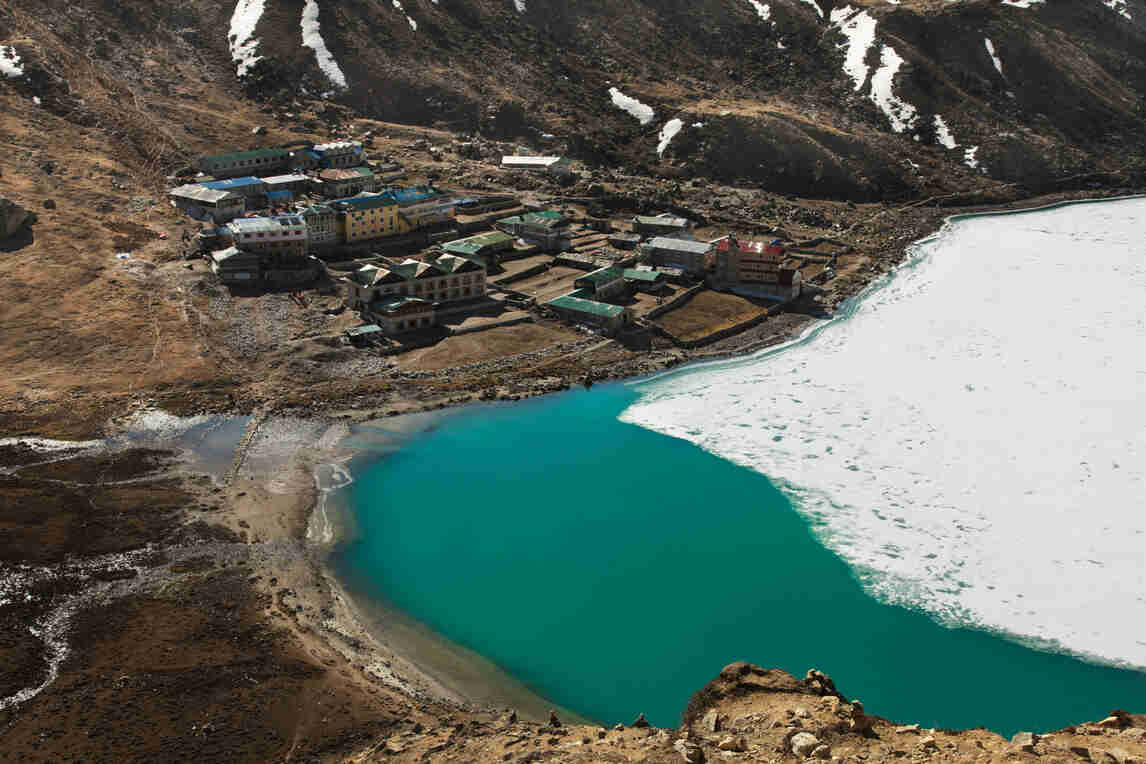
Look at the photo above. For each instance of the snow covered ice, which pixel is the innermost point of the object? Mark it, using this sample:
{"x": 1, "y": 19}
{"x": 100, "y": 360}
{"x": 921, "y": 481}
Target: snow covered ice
{"x": 970, "y": 436}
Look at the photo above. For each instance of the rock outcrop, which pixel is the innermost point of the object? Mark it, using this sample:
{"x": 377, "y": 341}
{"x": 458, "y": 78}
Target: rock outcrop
{"x": 13, "y": 219}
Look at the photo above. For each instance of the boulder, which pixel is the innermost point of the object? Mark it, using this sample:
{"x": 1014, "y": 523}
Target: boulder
{"x": 803, "y": 743}
{"x": 689, "y": 751}
{"x": 822, "y": 751}
{"x": 711, "y": 722}
{"x": 731, "y": 743}
{"x": 641, "y": 721}
{"x": 553, "y": 720}
{"x": 13, "y": 218}
{"x": 907, "y": 729}
{"x": 1025, "y": 741}
{"x": 260, "y": 130}
{"x": 928, "y": 743}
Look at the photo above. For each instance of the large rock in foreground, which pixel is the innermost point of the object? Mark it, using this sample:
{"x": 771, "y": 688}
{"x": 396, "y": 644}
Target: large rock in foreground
{"x": 13, "y": 218}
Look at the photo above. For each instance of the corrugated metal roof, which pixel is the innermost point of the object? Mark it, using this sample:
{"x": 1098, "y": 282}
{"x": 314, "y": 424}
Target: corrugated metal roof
{"x": 589, "y": 307}
{"x": 348, "y": 173}
{"x": 650, "y": 277}
{"x": 337, "y": 146}
{"x": 659, "y": 220}
{"x": 602, "y": 276}
{"x": 414, "y": 194}
{"x": 199, "y": 193}
{"x": 365, "y": 202}
{"x": 680, "y": 245}
{"x": 530, "y": 161}
{"x": 395, "y": 301}
{"x": 473, "y": 244}
{"x": 223, "y": 185}
{"x": 264, "y": 225}
{"x": 275, "y": 180}
{"x": 363, "y": 331}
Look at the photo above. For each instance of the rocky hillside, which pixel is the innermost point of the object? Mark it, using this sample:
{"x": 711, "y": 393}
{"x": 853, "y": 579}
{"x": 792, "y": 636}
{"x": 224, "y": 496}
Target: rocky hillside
{"x": 861, "y": 101}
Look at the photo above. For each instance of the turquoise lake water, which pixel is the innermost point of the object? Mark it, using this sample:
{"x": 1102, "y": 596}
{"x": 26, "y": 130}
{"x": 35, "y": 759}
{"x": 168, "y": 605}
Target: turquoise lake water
{"x": 615, "y": 571}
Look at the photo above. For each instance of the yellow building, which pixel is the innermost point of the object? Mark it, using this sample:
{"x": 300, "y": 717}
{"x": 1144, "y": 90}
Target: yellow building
{"x": 367, "y": 217}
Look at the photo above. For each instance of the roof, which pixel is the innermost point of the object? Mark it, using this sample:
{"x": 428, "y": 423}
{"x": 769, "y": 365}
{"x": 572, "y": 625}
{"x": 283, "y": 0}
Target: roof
{"x": 680, "y": 245}
{"x": 661, "y": 220}
{"x": 318, "y": 209}
{"x": 650, "y": 277}
{"x": 471, "y": 245}
{"x": 348, "y": 173}
{"x": 226, "y": 185}
{"x": 337, "y": 146}
{"x": 750, "y": 247}
{"x": 198, "y": 193}
{"x": 364, "y": 202}
{"x": 252, "y": 154}
{"x": 394, "y": 301}
{"x": 264, "y": 225}
{"x": 590, "y": 307}
{"x": 541, "y": 219}
{"x": 284, "y": 194}
{"x": 531, "y": 161}
{"x": 414, "y": 194}
{"x": 231, "y": 252}
{"x": 602, "y": 276}
{"x": 275, "y": 180}
{"x": 362, "y": 331}
{"x": 455, "y": 264}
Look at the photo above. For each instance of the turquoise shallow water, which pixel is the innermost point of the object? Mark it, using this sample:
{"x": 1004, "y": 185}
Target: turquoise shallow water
{"x": 615, "y": 571}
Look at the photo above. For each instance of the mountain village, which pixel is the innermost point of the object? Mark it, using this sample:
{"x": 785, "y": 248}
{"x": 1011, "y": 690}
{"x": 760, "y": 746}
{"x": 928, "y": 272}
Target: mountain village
{"x": 419, "y": 262}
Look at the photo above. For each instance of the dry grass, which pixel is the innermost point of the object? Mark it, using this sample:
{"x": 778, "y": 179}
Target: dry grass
{"x": 709, "y": 312}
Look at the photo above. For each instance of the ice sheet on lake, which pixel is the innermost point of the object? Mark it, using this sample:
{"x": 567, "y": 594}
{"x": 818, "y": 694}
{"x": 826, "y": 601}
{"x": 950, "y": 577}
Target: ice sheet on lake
{"x": 972, "y": 439}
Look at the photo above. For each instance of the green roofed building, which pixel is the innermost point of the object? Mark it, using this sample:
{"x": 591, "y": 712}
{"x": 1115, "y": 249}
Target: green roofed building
{"x": 256, "y": 162}
{"x": 604, "y": 284}
{"x": 484, "y": 247}
{"x": 548, "y": 229}
{"x": 608, "y": 318}
{"x": 652, "y": 282}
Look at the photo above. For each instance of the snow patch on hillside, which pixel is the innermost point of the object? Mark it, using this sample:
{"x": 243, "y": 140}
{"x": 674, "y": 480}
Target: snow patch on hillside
{"x": 10, "y": 65}
{"x": 943, "y": 134}
{"x": 994, "y": 56}
{"x": 762, "y": 9}
{"x": 814, "y": 4}
{"x": 1119, "y": 7}
{"x": 312, "y": 38}
{"x": 398, "y": 6}
{"x": 519, "y": 5}
{"x": 900, "y": 113}
{"x": 859, "y": 29}
{"x": 668, "y": 132}
{"x": 970, "y": 160}
{"x": 242, "y": 35}
{"x": 1023, "y": 3}
{"x": 641, "y": 112}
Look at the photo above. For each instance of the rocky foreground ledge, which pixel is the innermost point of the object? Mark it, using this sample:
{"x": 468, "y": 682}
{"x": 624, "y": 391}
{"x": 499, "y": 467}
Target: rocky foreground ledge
{"x": 753, "y": 714}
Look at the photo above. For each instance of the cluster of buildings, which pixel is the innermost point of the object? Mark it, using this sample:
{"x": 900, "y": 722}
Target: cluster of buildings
{"x": 272, "y": 210}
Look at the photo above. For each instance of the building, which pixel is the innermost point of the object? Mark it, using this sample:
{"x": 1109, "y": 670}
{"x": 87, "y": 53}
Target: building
{"x": 603, "y": 284}
{"x": 422, "y": 206}
{"x": 303, "y": 159}
{"x": 252, "y": 189}
{"x": 321, "y": 226}
{"x": 341, "y": 183}
{"x": 547, "y": 229}
{"x": 207, "y": 204}
{"x": 627, "y": 241}
{"x": 660, "y": 225}
{"x": 281, "y": 235}
{"x": 693, "y": 257}
{"x": 240, "y": 163}
{"x": 609, "y": 319}
{"x": 294, "y": 183}
{"x": 755, "y": 269}
{"x": 365, "y": 217}
{"x": 484, "y": 247}
{"x": 429, "y": 281}
{"x": 235, "y": 267}
{"x": 551, "y": 165}
{"x": 340, "y": 154}
{"x": 652, "y": 282}
{"x": 396, "y": 314}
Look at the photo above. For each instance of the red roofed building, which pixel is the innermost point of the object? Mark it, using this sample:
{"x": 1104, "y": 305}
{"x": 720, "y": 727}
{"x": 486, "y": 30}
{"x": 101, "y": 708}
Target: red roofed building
{"x": 756, "y": 269}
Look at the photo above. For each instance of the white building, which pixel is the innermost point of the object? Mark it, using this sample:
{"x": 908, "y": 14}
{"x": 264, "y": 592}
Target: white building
{"x": 550, "y": 164}
{"x": 284, "y": 234}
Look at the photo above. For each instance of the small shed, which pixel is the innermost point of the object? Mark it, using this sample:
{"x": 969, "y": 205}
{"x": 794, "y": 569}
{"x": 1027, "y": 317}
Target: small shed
{"x": 652, "y": 282}
{"x": 364, "y": 335}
